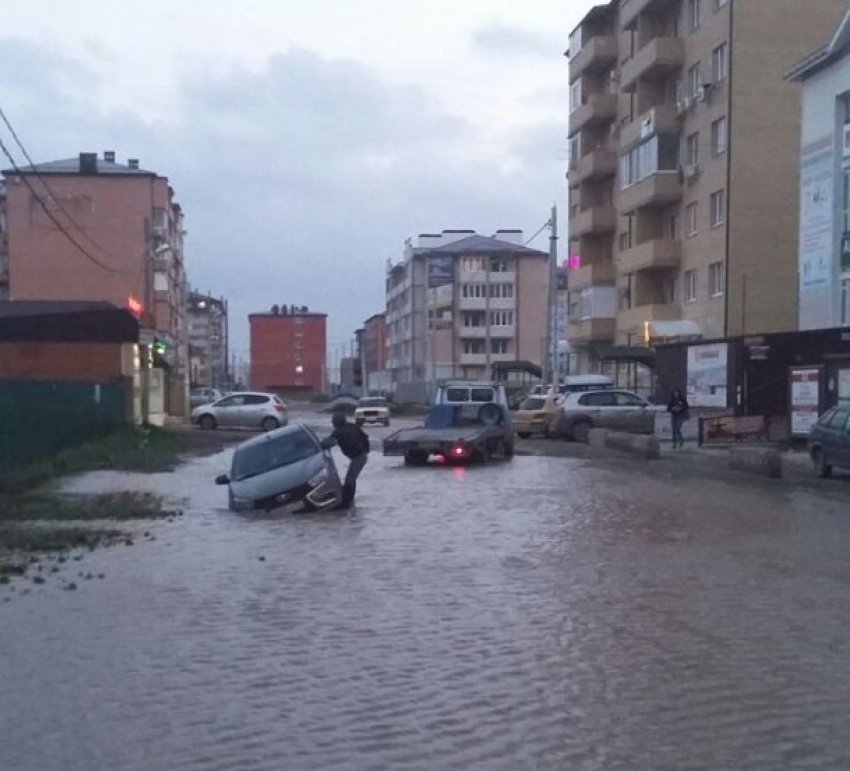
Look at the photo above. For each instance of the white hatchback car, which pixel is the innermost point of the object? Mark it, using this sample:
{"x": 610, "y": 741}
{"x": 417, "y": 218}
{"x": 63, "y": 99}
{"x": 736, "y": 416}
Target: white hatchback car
{"x": 372, "y": 409}
{"x": 611, "y": 408}
{"x": 243, "y": 409}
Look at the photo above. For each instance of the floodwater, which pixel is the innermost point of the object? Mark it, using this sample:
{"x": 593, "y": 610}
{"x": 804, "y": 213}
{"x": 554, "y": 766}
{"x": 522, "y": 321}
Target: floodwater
{"x": 539, "y": 614}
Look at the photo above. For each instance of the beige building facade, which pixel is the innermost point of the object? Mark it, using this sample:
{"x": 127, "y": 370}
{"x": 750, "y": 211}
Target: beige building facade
{"x": 684, "y": 144}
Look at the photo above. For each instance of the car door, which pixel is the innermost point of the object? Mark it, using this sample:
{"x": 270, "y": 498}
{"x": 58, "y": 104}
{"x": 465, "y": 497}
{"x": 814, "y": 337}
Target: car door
{"x": 633, "y": 413}
{"x": 254, "y": 408}
{"x": 227, "y": 410}
{"x": 603, "y": 408}
{"x": 841, "y": 452}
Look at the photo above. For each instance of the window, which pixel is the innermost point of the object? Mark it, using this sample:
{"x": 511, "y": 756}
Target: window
{"x": 690, "y": 286}
{"x": 694, "y": 15}
{"x": 672, "y": 229}
{"x": 845, "y": 302}
{"x": 718, "y": 4}
{"x": 471, "y": 263}
{"x": 457, "y": 394}
{"x": 694, "y": 81}
{"x": 691, "y": 216}
{"x": 502, "y": 318}
{"x": 692, "y": 149}
{"x": 575, "y": 41}
{"x": 473, "y": 346}
{"x": 660, "y": 153}
{"x": 718, "y": 136}
{"x": 575, "y": 95}
{"x": 255, "y": 399}
{"x": 481, "y": 395}
{"x": 598, "y": 399}
{"x": 716, "y": 279}
{"x": 574, "y": 153}
{"x": 668, "y": 289}
{"x": 473, "y": 319}
{"x": 499, "y": 266}
{"x": 498, "y": 346}
{"x": 625, "y": 241}
{"x": 717, "y": 210}
{"x": 718, "y": 63}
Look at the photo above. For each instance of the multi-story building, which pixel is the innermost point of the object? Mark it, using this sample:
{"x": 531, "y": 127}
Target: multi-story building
{"x": 824, "y": 251}
{"x": 288, "y": 349}
{"x": 4, "y": 246}
{"x": 208, "y": 341}
{"x": 683, "y": 145}
{"x": 459, "y": 302}
{"x": 88, "y": 228}
{"x": 374, "y": 341}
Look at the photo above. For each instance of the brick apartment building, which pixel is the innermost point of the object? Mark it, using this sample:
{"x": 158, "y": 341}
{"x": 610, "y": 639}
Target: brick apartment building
{"x": 373, "y": 338}
{"x": 459, "y": 302}
{"x": 288, "y": 350}
{"x": 128, "y": 231}
{"x": 208, "y": 341}
{"x": 684, "y": 143}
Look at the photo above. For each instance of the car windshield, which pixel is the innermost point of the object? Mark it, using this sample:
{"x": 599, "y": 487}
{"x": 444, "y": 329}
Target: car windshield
{"x": 533, "y": 403}
{"x": 372, "y": 403}
{"x": 255, "y": 459}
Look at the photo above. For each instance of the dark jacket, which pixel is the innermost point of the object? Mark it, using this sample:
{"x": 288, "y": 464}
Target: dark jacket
{"x": 678, "y": 406}
{"x": 352, "y": 440}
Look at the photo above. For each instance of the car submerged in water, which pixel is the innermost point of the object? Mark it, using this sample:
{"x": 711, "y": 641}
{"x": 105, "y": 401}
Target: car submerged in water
{"x": 284, "y": 467}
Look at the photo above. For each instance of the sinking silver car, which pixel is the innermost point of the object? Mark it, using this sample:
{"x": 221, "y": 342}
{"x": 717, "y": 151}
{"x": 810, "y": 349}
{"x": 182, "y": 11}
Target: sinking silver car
{"x": 281, "y": 468}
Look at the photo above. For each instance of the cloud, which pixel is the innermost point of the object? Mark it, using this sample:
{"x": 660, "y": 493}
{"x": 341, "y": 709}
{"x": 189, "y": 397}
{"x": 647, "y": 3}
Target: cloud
{"x": 502, "y": 40}
{"x": 299, "y": 179}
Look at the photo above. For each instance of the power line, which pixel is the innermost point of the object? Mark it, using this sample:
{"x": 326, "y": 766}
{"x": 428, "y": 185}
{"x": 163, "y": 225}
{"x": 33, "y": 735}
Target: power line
{"x": 546, "y": 225}
{"x": 43, "y": 181}
{"x": 52, "y": 217}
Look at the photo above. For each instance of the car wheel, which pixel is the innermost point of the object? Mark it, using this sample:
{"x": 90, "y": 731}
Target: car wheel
{"x": 387, "y": 422}
{"x": 269, "y": 424}
{"x": 359, "y": 422}
{"x": 415, "y": 458}
{"x": 207, "y": 422}
{"x": 523, "y": 434}
{"x": 580, "y": 430}
{"x": 509, "y": 449}
{"x": 547, "y": 432}
{"x": 822, "y": 468}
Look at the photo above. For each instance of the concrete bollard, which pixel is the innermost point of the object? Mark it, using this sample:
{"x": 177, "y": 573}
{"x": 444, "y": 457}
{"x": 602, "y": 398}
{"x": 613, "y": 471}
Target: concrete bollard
{"x": 597, "y": 437}
{"x": 642, "y": 446}
{"x": 764, "y": 461}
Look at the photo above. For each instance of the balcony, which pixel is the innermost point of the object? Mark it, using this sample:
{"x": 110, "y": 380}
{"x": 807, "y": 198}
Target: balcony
{"x": 480, "y": 359}
{"x": 480, "y": 333}
{"x": 633, "y": 321}
{"x": 596, "y": 109}
{"x": 592, "y": 275}
{"x": 596, "y": 219}
{"x": 597, "y": 164}
{"x": 631, "y": 9}
{"x": 659, "y": 189}
{"x": 661, "y": 254}
{"x": 585, "y": 331}
{"x": 662, "y": 55}
{"x": 662, "y": 119}
{"x": 596, "y": 55}
{"x": 481, "y": 304}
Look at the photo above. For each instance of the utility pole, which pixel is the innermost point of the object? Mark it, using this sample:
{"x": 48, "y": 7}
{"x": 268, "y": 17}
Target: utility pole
{"x": 548, "y": 353}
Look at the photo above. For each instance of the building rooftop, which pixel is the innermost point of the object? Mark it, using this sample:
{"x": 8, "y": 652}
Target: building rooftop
{"x": 77, "y": 166}
{"x": 485, "y": 245}
{"x": 822, "y": 57}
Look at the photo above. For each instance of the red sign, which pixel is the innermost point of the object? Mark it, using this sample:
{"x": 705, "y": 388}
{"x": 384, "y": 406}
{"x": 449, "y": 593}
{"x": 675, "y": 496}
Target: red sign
{"x": 135, "y": 306}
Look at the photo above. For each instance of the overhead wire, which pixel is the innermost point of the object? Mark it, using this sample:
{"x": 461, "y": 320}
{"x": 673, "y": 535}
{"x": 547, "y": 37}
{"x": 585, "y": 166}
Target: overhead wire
{"x": 546, "y": 225}
{"x": 85, "y": 252}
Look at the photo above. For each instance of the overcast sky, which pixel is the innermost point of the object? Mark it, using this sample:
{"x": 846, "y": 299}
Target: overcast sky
{"x": 306, "y": 139}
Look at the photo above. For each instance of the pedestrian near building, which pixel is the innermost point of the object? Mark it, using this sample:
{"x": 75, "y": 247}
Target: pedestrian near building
{"x": 678, "y": 408}
{"x": 354, "y": 444}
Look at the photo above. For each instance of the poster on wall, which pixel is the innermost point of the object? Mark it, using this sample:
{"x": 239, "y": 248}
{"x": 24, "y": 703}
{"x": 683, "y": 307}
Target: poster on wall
{"x": 441, "y": 270}
{"x": 707, "y": 375}
{"x": 816, "y": 239}
{"x": 844, "y": 385}
{"x": 805, "y": 398}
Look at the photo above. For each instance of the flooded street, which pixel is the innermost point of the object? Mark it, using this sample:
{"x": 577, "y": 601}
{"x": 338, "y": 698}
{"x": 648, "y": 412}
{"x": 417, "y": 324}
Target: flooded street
{"x": 546, "y": 613}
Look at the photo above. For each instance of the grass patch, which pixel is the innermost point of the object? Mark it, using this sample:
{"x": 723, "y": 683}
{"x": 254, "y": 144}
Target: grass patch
{"x": 132, "y": 449}
{"x": 46, "y": 506}
{"x": 30, "y": 538}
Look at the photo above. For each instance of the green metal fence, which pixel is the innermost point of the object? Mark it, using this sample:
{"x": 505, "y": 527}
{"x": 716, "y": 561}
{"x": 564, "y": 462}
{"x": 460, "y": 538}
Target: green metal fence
{"x": 39, "y": 418}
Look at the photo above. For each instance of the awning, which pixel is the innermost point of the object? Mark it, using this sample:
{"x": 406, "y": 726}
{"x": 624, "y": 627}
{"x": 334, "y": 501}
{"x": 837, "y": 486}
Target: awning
{"x": 625, "y": 353}
{"x": 678, "y": 329}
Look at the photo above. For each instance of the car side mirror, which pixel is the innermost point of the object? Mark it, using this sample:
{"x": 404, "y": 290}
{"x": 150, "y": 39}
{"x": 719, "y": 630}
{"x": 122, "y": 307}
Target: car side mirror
{"x": 222, "y": 479}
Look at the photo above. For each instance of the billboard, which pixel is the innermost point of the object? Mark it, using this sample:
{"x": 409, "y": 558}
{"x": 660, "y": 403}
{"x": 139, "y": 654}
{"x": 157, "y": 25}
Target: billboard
{"x": 816, "y": 239}
{"x": 805, "y": 399}
{"x": 441, "y": 270}
{"x": 707, "y": 375}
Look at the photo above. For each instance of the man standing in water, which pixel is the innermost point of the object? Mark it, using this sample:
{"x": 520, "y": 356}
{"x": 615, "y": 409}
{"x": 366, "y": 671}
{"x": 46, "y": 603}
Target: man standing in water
{"x": 354, "y": 444}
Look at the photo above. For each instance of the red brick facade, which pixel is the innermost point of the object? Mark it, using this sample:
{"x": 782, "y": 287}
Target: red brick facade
{"x": 375, "y": 343}
{"x": 288, "y": 351}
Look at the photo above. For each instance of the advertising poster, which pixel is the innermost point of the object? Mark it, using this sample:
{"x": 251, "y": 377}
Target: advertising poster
{"x": 816, "y": 237}
{"x": 441, "y": 270}
{"x": 805, "y": 399}
{"x": 707, "y": 375}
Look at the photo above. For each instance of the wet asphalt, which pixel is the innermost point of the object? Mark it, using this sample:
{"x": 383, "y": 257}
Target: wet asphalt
{"x": 543, "y": 613}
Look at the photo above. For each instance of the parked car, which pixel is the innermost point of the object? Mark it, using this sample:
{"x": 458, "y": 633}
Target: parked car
{"x": 534, "y": 416}
{"x": 572, "y": 383}
{"x": 829, "y": 441}
{"x": 283, "y": 467}
{"x": 611, "y": 408}
{"x": 372, "y": 409}
{"x": 199, "y": 396}
{"x": 245, "y": 409}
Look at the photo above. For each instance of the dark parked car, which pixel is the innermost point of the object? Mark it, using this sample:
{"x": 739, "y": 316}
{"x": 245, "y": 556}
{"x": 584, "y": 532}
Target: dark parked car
{"x": 829, "y": 441}
{"x": 282, "y": 467}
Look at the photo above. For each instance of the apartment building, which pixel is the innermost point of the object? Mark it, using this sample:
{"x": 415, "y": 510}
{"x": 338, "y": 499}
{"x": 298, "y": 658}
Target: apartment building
{"x": 458, "y": 302}
{"x": 374, "y": 342}
{"x": 683, "y": 172}
{"x": 4, "y": 246}
{"x": 824, "y": 252}
{"x": 90, "y": 228}
{"x": 208, "y": 341}
{"x": 288, "y": 350}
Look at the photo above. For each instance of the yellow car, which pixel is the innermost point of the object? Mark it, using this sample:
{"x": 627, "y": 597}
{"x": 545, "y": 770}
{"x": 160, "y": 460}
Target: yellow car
{"x": 535, "y": 416}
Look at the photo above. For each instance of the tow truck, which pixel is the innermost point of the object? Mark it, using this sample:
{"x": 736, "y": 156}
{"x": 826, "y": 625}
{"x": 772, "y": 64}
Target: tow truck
{"x": 469, "y": 421}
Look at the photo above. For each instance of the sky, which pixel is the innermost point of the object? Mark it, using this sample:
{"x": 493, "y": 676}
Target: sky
{"x": 306, "y": 139}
